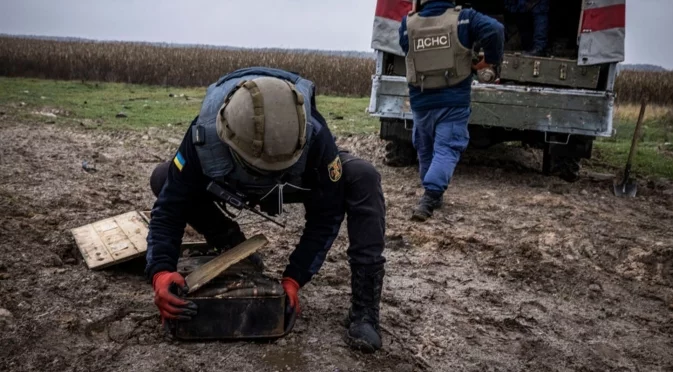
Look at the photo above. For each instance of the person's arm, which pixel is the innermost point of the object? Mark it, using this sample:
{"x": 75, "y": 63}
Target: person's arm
{"x": 169, "y": 214}
{"x": 489, "y": 33}
{"x": 325, "y": 209}
{"x": 404, "y": 37}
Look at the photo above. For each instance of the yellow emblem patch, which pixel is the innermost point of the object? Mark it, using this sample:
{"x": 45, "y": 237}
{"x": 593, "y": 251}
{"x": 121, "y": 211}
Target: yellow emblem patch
{"x": 334, "y": 169}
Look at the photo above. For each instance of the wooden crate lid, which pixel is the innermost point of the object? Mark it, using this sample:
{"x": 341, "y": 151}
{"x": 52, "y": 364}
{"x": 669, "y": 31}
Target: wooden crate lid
{"x": 112, "y": 240}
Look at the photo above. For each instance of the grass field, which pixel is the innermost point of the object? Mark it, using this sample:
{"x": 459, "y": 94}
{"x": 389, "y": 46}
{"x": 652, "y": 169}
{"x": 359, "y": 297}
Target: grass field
{"x": 95, "y": 106}
{"x": 655, "y": 151}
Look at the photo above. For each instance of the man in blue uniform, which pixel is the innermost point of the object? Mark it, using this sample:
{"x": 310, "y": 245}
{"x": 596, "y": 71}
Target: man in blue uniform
{"x": 260, "y": 134}
{"x": 437, "y": 38}
{"x": 531, "y": 18}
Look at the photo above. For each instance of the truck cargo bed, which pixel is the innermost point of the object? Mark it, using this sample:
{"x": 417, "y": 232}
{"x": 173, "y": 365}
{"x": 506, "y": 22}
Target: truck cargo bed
{"x": 573, "y": 111}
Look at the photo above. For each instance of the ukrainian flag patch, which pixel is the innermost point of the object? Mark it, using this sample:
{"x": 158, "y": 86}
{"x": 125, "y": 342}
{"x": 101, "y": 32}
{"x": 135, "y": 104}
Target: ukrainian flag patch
{"x": 179, "y": 161}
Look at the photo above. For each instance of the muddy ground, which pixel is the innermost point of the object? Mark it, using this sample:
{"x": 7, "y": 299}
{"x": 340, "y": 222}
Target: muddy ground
{"x": 517, "y": 272}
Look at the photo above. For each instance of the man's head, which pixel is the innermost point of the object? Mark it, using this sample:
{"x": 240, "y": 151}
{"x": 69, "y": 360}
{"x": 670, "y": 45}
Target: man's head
{"x": 421, "y": 3}
{"x": 417, "y": 5}
{"x": 263, "y": 121}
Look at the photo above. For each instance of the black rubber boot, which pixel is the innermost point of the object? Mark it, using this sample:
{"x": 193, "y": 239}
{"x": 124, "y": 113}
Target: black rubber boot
{"x": 366, "y": 285}
{"x": 430, "y": 201}
{"x": 534, "y": 53}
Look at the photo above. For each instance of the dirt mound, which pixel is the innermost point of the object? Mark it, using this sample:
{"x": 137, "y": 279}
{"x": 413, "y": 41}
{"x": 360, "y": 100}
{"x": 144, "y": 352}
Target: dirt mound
{"x": 516, "y": 272}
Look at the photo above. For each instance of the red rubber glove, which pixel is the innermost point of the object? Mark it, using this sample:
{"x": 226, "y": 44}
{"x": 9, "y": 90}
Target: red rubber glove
{"x": 291, "y": 288}
{"x": 481, "y": 65}
{"x": 170, "y": 306}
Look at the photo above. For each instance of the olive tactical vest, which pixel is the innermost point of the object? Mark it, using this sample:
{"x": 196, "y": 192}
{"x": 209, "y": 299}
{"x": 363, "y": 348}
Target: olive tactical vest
{"x": 436, "y": 58}
{"x": 217, "y": 161}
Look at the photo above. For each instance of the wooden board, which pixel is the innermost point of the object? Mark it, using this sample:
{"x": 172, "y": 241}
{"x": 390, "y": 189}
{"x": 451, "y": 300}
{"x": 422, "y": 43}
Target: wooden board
{"x": 214, "y": 267}
{"x": 187, "y": 265}
{"x": 121, "y": 238}
{"x": 113, "y": 240}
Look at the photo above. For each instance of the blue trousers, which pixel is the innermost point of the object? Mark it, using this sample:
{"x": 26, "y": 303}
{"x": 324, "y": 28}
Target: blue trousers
{"x": 440, "y": 137}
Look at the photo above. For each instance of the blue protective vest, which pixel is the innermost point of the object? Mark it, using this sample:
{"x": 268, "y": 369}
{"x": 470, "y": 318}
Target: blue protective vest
{"x": 215, "y": 156}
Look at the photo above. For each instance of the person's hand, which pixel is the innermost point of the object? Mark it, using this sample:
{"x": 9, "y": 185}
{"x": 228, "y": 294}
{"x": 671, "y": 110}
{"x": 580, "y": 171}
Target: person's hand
{"x": 481, "y": 65}
{"x": 486, "y": 72}
{"x": 291, "y": 288}
{"x": 170, "y": 306}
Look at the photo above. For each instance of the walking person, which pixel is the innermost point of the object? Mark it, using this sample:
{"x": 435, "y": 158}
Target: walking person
{"x": 437, "y": 38}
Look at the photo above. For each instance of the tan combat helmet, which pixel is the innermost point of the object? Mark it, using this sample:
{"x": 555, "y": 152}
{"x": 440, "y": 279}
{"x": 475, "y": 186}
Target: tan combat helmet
{"x": 263, "y": 121}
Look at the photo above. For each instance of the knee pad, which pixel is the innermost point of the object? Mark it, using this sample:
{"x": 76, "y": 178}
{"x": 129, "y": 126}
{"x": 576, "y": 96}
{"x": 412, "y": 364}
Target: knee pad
{"x": 158, "y": 177}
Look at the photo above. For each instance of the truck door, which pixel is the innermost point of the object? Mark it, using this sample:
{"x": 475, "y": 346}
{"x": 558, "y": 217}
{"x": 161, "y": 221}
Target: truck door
{"x": 389, "y": 14}
{"x": 602, "y": 32}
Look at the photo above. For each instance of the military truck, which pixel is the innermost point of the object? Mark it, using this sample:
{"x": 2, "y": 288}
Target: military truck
{"x": 559, "y": 103}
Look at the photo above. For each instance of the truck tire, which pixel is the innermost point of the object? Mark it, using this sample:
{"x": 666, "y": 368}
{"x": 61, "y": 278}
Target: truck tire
{"x": 400, "y": 154}
{"x": 566, "y": 167}
{"x": 569, "y": 168}
{"x": 564, "y": 160}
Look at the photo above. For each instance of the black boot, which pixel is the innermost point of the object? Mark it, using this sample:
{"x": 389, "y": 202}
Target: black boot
{"x": 430, "y": 201}
{"x": 535, "y": 53}
{"x": 366, "y": 285}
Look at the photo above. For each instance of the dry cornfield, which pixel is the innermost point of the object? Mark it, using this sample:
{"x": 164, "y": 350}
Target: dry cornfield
{"x": 140, "y": 63}
{"x": 632, "y": 85}
{"x": 169, "y": 65}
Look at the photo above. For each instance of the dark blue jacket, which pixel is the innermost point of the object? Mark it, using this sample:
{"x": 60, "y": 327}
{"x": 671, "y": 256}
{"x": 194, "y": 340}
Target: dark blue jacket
{"x": 474, "y": 27}
{"x": 324, "y": 204}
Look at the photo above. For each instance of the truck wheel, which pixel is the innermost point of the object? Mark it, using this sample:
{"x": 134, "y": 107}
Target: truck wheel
{"x": 400, "y": 154}
{"x": 566, "y": 167}
{"x": 569, "y": 169}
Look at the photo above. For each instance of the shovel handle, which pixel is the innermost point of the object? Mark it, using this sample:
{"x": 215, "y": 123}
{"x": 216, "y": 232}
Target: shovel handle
{"x": 636, "y": 136}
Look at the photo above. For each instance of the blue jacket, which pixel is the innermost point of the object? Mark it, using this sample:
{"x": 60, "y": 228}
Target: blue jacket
{"x": 474, "y": 27}
{"x": 324, "y": 205}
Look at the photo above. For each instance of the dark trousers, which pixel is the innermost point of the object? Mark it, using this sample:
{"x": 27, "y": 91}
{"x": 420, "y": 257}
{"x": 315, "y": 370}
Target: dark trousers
{"x": 365, "y": 211}
{"x": 533, "y": 29}
{"x": 364, "y": 204}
